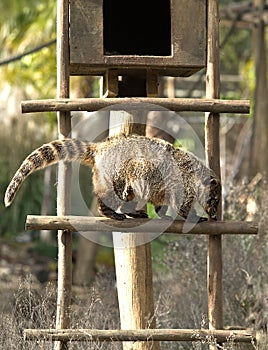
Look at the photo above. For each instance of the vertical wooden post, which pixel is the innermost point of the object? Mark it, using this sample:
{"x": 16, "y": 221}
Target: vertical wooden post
{"x": 212, "y": 125}
{"x": 64, "y": 174}
{"x": 134, "y": 283}
{"x": 259, "y": 155}
{"x": 133, "y": 260}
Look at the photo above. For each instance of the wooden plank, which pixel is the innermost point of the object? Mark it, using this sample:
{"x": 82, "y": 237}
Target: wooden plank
{"x": 191, "y": 335}
{"x": 187, "y": 46}
{"x": 174, "y": 104}
{"x": 189, "y": 43}
{"x": 110, "y": 83}
{"x": 122, "y": 64}
{"x": 152, "y": 83}
{"x": 86, "y": 31}
{"x": 214, "y": 254}
{"x": 64, "y": 175}
{"x": 259, "y": 141}
{"x": 101, "y": 224}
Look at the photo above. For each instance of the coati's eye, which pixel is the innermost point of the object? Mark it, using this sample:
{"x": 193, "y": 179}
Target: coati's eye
{"x": 210, "y": 181}
{"x": 213, "y": 181}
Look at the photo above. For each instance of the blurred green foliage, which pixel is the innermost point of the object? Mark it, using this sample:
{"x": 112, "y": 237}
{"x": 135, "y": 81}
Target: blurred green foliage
{"x": 16, "y": 142}
{"x": 26, "y": 24}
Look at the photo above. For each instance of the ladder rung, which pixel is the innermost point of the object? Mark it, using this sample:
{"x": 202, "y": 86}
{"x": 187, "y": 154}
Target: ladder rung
{"x": 101, "y": 224}
{"x": 205, "y": 335}
{"x": 173, "y": 104}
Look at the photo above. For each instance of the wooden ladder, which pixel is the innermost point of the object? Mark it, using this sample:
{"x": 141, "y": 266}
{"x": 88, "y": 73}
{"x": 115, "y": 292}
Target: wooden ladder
{"x": 65, "y": 224}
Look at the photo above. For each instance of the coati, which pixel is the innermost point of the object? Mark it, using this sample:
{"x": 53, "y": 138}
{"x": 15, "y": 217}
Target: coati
{"x": 129, "y": 171}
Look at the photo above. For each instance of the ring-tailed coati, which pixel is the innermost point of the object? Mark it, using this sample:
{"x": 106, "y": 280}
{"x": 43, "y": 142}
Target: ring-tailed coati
{"x": 129, "y": 171}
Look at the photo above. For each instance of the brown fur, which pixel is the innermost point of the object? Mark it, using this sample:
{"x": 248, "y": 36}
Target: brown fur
{"x": 129, "y": 171}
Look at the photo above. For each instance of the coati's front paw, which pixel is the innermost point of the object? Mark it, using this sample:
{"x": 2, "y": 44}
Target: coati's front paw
{"x": 202, "y": 219}
{"x": 105, "y": 210}
{"x": 116, "y": 216}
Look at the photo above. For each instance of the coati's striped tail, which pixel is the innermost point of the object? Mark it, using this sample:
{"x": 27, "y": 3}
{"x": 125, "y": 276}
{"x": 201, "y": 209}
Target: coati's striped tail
{"x": 51, "y": 153}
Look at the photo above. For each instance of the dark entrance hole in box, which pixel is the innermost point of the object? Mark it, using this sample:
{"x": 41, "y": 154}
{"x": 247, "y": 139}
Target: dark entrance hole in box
{"x": 140, "y": 27}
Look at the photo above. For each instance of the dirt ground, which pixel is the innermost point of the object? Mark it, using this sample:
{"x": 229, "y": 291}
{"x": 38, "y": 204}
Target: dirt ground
{"x": 17, "y": 261}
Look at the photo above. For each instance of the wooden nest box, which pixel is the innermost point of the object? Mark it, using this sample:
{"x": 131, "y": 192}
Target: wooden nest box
{"x": 168, "y": 36}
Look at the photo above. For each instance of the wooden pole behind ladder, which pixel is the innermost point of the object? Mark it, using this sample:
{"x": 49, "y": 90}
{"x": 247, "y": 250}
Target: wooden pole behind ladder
{"x": 64, "y": 175}
{"x": 214, "y": 257}
{"x": 133, "y": 262}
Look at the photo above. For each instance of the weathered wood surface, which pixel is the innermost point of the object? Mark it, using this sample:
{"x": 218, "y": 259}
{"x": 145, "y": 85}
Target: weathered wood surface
{"x": 188, "y": 46}
{"x": 204, "y": 335}
{"x": 132, "y": 253}
{"x": 259, "y": 141}
{"x": 174, "y": 104}
{"x": 64, "y": 175}
{"x": 212, "y": 146}
{"x": 101, "y": 224}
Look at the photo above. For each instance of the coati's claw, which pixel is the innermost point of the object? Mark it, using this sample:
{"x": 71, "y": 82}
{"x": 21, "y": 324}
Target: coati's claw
{"x": 116, "y": 216}
{"x": 202, "y": 219}
{"x": 140, "y": 214}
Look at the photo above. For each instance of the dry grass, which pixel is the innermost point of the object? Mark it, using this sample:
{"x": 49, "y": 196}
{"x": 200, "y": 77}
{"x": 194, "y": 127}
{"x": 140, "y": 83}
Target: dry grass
{"x": 179, "y": 282}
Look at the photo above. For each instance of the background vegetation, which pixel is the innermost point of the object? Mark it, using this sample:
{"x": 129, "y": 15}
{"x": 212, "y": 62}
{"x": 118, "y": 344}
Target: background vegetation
{"x": 29, "y": 24}
{"x": 179, "y": 287}
{"x": 179, "y": 264}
